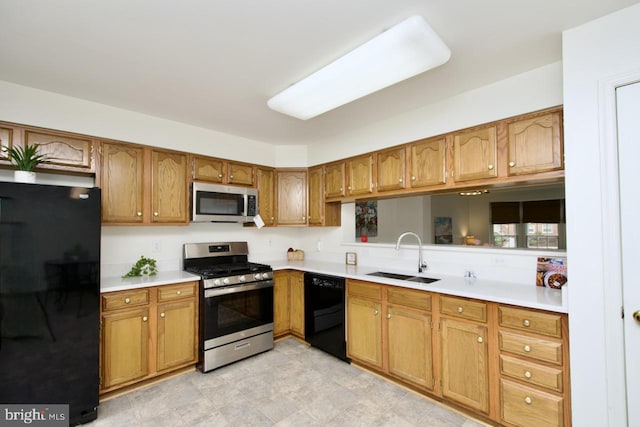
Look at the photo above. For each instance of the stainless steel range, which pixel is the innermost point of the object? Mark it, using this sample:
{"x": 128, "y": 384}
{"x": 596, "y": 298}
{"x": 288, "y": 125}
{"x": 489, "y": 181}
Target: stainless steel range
{"x": 236, "y": 302}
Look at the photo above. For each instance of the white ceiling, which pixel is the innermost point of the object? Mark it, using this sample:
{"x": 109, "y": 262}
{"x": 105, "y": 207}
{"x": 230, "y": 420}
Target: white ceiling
{"x": 215, "y": 63}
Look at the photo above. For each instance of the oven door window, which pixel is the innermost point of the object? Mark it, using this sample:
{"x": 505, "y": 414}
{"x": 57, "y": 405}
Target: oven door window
{"x": 235, "y": 312}
{"x": 212, "y": 203}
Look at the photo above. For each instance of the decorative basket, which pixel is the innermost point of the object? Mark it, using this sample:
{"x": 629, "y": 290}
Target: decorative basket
{"x": 296, "y": 255}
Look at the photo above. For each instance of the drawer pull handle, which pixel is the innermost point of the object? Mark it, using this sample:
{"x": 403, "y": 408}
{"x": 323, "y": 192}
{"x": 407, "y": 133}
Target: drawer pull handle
{"x": 527, "y": 374}
{"x": 526, "y": 323}
{"x": 127, "y": 300}
{"x": 459, "y": 309}
{"x": 480, "y": 339}
{"x": 526, "y": 348}
{"x": 145, "y": 318}
{"x": 161, "y": 314}
{"x": 528, "y": 400}
{"x": 178, "y": 292}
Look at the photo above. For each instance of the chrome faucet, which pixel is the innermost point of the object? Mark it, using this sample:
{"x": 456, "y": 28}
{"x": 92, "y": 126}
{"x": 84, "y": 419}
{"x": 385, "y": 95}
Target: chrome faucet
{"x": 421, "y": 265}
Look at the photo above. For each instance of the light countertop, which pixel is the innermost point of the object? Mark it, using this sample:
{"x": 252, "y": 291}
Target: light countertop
{"x": 110, "y": 284}
{"x": 489, "y": 290}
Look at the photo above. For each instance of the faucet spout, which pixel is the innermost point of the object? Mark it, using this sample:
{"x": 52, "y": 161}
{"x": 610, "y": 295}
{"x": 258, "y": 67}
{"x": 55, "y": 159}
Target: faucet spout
{"x": 421, "y": 265}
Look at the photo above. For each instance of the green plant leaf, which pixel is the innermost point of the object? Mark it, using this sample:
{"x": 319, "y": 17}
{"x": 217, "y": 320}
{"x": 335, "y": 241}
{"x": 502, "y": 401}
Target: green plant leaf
{"x": 25, "y": 158}
{"x": 144, "y": 266}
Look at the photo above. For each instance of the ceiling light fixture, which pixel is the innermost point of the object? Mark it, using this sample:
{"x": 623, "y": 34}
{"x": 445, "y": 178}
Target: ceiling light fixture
{"x": 401, "y": 52}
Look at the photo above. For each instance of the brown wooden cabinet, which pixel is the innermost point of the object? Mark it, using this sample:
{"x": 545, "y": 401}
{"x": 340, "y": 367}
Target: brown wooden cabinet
{"x": 147, "y": 332}
{"x": 288, "y": 303}
{"x": 292, "y": 197}
{"x": 142, "y": 185}
{"x": 427, "y": 162}
{"x": 335, "y": 179}
{"x": 63, "y": 152}
{"x": 535, "y": 144}
{"x": 364, "y": 330}
{"x": 266, "y": 178}
{"x": 360, "y": 175}
{"x": 320, "y": 212}
{"x": 475, "y": 154}
{"x": 391, "y": 169}
{"x": 6, "y": 140}
{"x": 220, "y": 171}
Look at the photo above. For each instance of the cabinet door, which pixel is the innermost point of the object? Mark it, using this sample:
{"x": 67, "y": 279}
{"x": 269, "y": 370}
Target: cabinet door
{"x": 391, "y": 169}
{"x": 125, "y": 347}
{"x": 364, "y": 331}
{"x": 176, "y": 334}
{"x": 535, "y": 145}
{"x": 292, "y": 197}
{"x": 266, "y": 195}
{"x": 360, "y": 175}
{"x": 410, "y": 346}
{"x": 334, "y": 180}
{"x": 296, "y": 283}
{"x": 169, "y": 187}
{"x": 122, "y": 183}
{"x": 208, "y": 169}
{"x": 465, "y": 364}
{"x": 316, "y": 196}
{"x": 474, "y": 154}
{"x": 281, "y": 305}
{"x": 427, "y": 162}
{"x": 6, "y": 140}
{"x": 63, "y": 152}
{"x": 240, "y": 174}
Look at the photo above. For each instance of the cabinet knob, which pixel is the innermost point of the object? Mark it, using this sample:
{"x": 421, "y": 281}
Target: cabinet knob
{"x": 512, "y": 164}
{"x": 340, "y": 188}
{"x": 230, "y": 177}
{"x": 526, "y": 323}
{"x": 219, "y": 175}
{"x": 376, "y": 312}
{"x": 480, "y": 339}
{"x": 400, "y": 180}
{"x": 349, "y": 188}
{"x": 413, "y": 178}
{"x": 459, "y": 309}
{"x": 527, "y": 374}
{"x": 178, "y": 292}
{"x": 139, "y": 213}
{"x": 156, "y": 214}
{"x": 490, "y": 167}
{"x": 526, "y": 348}
{"x": 127, "y": 300}
{"x": 161, "y": 314}
{"x": 145, "y": 318}
{"x": 528, "y": 400}
{"x": 388, "y": 315}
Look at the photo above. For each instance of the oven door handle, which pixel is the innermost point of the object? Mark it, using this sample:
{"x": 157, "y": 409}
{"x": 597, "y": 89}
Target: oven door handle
{"x": 208, "y": 293}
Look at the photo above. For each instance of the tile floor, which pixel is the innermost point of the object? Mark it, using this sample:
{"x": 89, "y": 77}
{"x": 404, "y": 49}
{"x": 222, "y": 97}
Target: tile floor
{"x": 292, "y": 385}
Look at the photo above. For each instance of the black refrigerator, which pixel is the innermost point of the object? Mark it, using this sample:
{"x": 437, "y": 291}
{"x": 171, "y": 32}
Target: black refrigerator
{"x": 49, "y": 297}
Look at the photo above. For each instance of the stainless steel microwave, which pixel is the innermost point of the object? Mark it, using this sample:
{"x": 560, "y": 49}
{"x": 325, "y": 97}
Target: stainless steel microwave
{"x": 222, "y": 203}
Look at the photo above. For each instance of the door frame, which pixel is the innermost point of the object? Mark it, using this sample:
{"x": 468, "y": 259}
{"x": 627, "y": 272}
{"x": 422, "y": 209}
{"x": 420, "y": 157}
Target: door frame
{"x": 611, "y": 235}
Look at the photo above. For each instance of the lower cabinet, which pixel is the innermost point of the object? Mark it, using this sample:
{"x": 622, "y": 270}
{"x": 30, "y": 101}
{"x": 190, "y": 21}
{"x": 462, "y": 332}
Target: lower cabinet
{"x": 288, "y": 303}
{"x": 147, "y": 332}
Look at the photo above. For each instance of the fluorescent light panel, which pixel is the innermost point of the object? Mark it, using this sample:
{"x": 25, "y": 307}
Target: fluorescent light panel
{"x": 401, "y": 52}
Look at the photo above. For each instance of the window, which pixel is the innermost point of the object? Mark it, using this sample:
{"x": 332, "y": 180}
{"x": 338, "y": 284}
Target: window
{"x": 530, "y": 224}
{"x": 542, "y": 235}
{"x": 505, "y": 235}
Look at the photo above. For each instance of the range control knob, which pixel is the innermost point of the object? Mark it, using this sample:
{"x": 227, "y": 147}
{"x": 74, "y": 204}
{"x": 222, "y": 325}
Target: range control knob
{"x": 242, "y": 278}
{"x": 257, "y": 276}
{"x": 216, "y": 282}
{"x": 226, "y": 281}
{"x": 265, "y": 275}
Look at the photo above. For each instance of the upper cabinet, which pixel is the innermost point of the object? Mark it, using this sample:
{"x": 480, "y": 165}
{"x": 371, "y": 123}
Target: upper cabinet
{"x": 427, "y": 162}
{"x": 535, "y": 144}
{"x": 63, "y": 152}
{"x": 266, "y": 178}
{"x": 391, "y": 169}
{"x": 475, "y": 154}
{"x": 360, "y": 175}
{"x": 6, "y": 140}
{"x": 335, "y": 179}
{"x": 320, "y": 212}
{"x": 143, "y": 186}
{"x": 211, "y": 169}
{"x": 292, "y": 197}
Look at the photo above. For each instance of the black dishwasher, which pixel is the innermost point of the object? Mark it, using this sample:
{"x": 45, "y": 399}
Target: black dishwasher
{"x": 324, "y": 298}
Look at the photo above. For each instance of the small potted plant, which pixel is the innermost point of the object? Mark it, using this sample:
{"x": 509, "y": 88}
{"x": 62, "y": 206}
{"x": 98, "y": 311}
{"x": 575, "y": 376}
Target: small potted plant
{"x": 25, "y": 159}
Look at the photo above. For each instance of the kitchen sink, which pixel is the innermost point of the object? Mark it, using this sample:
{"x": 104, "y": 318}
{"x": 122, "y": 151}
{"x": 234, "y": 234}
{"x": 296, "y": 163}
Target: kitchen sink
{"x": 406, "y": 277}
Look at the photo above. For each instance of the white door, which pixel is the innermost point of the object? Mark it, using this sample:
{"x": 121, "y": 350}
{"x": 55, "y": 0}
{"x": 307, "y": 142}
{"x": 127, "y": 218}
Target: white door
{"x": 628, "y": 106}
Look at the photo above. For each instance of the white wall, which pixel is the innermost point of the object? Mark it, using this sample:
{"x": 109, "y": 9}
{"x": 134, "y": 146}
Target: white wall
{"x": 593, "y": 54}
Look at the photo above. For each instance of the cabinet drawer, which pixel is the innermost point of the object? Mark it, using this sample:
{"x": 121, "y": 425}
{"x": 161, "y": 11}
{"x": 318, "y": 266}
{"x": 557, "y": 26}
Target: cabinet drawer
{"x": 364, "y": 289}
{"x": 409, "y": 298}
{"x": 184, "y": 290}
{"x": 536, "y": 348}
{"x": 114, "y": 301}
{"x": 525, "y": 406}
{"x": 532, "y": 373}
{"x": 458, "y": 307}
{"x": 532, "y": 321}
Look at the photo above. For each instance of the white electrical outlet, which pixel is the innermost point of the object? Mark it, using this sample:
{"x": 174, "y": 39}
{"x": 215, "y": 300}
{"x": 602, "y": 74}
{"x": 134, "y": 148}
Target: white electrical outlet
{"x": 155, "y": 247}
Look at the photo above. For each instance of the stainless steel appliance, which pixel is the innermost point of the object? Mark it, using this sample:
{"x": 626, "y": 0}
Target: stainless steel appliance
{"x": 236, "y": 302}
{"x": 49, "y": 297}
{"x": 324, "y": 300}
{"x": 222, "y": 203}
